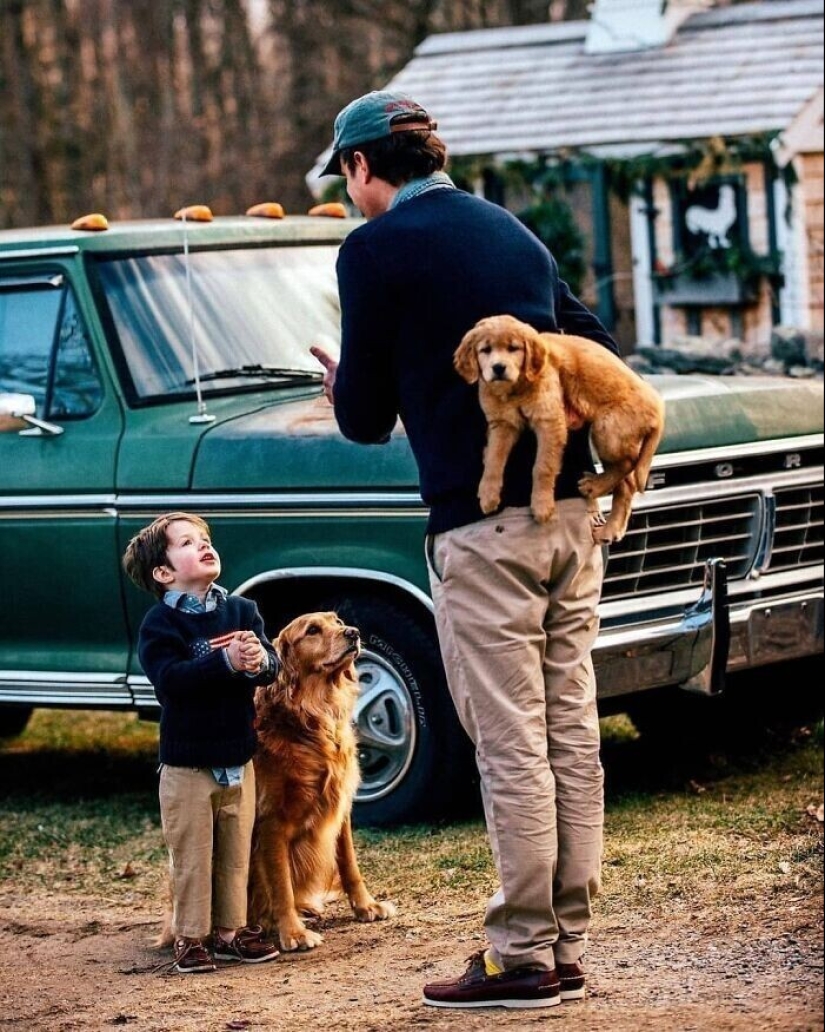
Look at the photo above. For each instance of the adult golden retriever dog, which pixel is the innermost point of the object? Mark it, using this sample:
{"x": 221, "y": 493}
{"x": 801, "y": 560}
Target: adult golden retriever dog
{"x": 536, "y": 379}
{"x": 306, "y": 774}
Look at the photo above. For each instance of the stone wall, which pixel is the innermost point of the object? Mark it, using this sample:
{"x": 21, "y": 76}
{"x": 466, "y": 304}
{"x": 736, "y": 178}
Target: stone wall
{"x": 791, "y": 352}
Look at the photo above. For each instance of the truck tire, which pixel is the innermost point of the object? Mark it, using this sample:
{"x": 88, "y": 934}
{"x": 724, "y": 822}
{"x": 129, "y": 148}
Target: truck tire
{"x": 416, "y": 761}
{"x": 13, "y": 720}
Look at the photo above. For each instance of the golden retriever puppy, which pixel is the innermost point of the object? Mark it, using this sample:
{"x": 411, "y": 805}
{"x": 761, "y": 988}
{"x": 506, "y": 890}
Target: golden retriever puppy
{"x": 306, "y": 774}
{"x": 536, "y": 379}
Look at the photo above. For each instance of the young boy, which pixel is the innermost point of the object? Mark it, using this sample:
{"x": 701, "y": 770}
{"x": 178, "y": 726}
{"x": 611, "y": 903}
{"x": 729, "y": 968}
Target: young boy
{"x": 204, "y": 652}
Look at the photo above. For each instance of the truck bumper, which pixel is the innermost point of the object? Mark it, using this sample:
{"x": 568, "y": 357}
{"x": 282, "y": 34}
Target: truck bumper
{"x": 696, "y": 650}
{"x": 768, "y": 632}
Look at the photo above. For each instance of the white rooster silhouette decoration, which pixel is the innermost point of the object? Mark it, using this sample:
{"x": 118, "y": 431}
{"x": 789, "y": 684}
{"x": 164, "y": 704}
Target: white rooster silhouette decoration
{"x": 716, "y": 222}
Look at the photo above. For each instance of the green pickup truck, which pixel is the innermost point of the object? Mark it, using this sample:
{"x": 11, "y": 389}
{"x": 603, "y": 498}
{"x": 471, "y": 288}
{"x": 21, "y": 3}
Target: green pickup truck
{"x": 164, "y": 364}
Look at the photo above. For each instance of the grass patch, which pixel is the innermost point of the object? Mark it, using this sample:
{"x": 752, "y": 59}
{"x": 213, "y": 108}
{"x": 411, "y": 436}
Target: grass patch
{"x": 79, "y": 813}
{"x": 78, "y": 804}
{"x": 79, "y": 732}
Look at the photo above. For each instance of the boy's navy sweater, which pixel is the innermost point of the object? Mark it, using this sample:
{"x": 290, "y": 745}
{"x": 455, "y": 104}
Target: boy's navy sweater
{"x": 413, "y": 281}
{"x": 207, "y": 711}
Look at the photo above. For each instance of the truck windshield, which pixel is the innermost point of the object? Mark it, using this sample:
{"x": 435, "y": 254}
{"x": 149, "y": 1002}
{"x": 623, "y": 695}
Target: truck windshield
{"x": 253, "y": 311}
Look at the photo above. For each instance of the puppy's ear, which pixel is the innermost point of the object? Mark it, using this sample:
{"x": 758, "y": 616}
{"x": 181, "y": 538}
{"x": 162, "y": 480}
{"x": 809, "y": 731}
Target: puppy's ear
{"x": 535, "y": 357}
{"x": 465, "y": 359}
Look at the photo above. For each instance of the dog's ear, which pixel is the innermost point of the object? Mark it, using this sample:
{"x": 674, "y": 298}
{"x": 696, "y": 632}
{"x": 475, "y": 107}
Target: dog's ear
{"x": 535, "y": 357}
{"x": 465, "y": 359}
{"x": 288, "y": 674}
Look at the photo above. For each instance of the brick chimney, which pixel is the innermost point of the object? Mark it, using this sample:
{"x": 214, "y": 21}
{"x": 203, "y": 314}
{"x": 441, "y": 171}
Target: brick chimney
{"x": 623, "y": 25}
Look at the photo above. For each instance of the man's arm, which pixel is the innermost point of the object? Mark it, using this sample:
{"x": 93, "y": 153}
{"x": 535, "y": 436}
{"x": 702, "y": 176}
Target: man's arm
{"x": 365, "y": 394}
{"x": 576, "y": 318}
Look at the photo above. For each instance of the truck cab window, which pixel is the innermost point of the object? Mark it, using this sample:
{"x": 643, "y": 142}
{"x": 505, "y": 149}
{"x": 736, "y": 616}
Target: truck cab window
{"x": 44, "y": 349}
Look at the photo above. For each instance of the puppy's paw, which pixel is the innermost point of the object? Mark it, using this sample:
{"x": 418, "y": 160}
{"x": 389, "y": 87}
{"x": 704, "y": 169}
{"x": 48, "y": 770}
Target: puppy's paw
{"x": 489, "y": 498}
{"x": 605, "y": 534}
{"x": 587, "y": 485}
{"x": 543, "y": 509}
{"x": 297, "y": 937}
{"x": 373, "y": 910}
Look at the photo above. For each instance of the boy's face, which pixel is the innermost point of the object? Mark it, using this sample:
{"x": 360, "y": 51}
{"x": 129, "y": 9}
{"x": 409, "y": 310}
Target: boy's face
{"x": 192, "y": 563}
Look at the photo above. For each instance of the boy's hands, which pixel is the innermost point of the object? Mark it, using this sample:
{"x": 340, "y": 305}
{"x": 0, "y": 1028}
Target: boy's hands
{"x": 246, "y": 653}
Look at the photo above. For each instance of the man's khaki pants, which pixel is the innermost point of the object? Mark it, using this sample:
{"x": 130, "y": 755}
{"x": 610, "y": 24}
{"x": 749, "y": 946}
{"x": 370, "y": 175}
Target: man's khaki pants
{"x": 208, "y": 832}
{"x": 515, "y": 605}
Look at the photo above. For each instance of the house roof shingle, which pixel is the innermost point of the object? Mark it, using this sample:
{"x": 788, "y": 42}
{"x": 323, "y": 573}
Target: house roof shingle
{"x": 732, "y": 71}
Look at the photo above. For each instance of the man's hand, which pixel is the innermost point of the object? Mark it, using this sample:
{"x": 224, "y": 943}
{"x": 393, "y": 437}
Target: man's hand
{"x": 331, "y": 367}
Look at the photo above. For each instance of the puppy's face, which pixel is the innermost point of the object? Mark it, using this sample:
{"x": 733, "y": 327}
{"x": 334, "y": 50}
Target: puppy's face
{"x": 500, "y": 350}
{"x": 317, "y": 643}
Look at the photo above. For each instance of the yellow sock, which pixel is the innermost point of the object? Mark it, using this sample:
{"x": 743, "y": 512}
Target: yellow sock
{"x": 490, "y": 966}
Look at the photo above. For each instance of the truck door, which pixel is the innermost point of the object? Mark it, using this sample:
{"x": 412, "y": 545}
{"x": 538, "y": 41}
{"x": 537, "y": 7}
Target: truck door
{"x": 62, "y": 630}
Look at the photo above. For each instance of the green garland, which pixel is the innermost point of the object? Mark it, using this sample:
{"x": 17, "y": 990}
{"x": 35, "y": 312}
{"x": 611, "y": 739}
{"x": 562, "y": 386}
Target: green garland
{"x": 552, "y": 220}
{"x": 747, "y": 266}
{"x": 695, "y": 160}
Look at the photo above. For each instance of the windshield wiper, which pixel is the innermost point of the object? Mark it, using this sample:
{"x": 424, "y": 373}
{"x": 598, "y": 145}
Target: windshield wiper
{"x": 263, "y": 372}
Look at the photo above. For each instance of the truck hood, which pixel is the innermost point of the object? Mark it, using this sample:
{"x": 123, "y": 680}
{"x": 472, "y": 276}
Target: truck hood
{"x": 297, "y": 444}
{"x": 715, "y": 412}
{"x": 278, "y": 447}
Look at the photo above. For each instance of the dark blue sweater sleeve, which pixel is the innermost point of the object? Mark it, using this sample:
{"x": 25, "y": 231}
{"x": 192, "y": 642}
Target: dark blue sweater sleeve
{"x": 167, "y": 662}
{"x": 273, "y": 664}
{"x": 366, "y": 396}
{"x": 576, "y": 318}
{"x": 166, "y": 658}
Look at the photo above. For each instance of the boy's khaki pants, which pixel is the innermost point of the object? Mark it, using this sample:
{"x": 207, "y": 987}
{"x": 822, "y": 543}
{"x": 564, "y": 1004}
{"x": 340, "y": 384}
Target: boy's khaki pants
{"x": 515, "y": 605}
{"x": 208, "y": 832}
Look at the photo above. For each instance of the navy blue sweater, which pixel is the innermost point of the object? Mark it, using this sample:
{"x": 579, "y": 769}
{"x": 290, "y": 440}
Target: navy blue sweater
{"x": 412, "y": 282}
{"x": 207, "y": 711}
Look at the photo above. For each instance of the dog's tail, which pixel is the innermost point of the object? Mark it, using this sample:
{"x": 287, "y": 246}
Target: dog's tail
{"x": 648, "y": 450}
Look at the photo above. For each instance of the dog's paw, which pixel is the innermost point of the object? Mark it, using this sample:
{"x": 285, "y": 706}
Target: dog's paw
{"x": 374, "y": 911}
{"x": 298, "y": 938}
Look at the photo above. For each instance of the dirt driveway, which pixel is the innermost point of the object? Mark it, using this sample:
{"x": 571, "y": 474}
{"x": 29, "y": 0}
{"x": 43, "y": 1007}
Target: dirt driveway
{"x": 76, "y": 963}
{"x": 710, "y": 919}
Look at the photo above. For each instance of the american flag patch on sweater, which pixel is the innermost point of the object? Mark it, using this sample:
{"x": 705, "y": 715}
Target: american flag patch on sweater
{"x": 203, "y": 646}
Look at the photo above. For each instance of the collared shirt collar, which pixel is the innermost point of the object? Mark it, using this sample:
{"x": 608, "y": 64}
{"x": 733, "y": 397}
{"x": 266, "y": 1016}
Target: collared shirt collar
{"x": 416, "y": 187}
{"x": 192, "y": 604}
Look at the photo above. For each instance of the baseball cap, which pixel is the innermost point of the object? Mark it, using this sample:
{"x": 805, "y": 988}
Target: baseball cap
{"x": 372, "y": 117}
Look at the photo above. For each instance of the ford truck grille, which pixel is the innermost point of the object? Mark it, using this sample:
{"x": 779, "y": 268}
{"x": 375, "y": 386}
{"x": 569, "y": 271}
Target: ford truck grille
{"x": 797, "y": 539}
{"x": 665, "y": 549}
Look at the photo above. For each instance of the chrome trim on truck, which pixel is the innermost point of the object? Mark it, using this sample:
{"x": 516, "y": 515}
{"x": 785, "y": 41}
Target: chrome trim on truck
{"x": 637, "y": 657}
{"x": 691, "y": 651}
{"x": 683, "y": 650}
{"x": 74, "y": 690}
{"x": 773, "y": 631}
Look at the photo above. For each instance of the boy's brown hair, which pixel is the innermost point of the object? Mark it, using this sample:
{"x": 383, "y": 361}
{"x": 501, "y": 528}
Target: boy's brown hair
{"x": 147, "y": 550}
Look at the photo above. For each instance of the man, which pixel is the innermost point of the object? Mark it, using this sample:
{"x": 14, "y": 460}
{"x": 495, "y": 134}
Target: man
{"x": 515, "y": 601}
